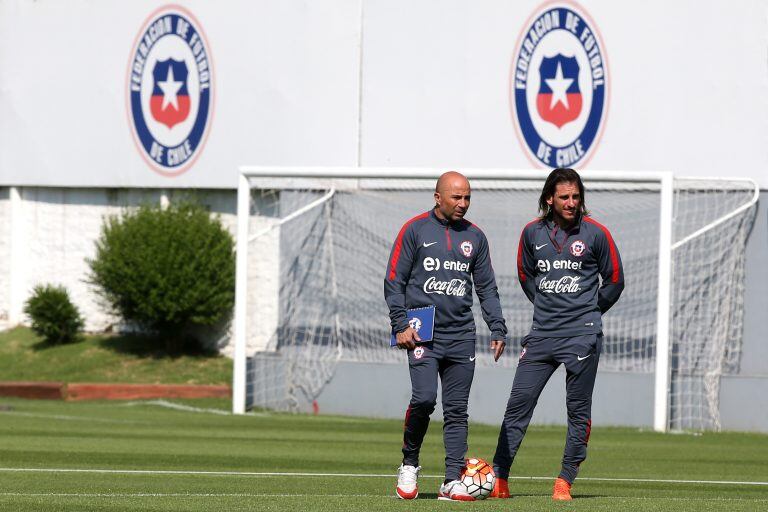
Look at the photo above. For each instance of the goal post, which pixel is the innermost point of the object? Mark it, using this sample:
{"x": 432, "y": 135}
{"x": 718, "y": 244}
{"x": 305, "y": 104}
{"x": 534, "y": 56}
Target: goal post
{"x": 661, "y": 376}
{"x": 312, "y": 247}
{"x": 241, "y": 294}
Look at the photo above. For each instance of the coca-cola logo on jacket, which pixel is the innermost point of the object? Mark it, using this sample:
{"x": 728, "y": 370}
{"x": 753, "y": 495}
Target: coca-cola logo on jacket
{"x": 454, "y": 287}
{"x": 565, "y": 284}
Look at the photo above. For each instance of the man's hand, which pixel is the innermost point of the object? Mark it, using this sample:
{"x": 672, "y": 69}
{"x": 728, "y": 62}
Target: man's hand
{"x": 497, "y": 346}
{"x": 407, "y": 339}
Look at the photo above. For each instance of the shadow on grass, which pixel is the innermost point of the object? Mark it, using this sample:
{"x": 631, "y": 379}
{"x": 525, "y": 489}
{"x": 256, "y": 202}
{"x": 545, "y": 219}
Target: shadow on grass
{"x": 45, "y": 345}
{"x": 549, "y": 495}
{"x": 433, "y": 496}
{"x": 154, "y": 347}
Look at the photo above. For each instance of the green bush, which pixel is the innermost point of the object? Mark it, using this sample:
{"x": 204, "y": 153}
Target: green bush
{"x": 54, "y": 317}
{"x": 167, "y": 270}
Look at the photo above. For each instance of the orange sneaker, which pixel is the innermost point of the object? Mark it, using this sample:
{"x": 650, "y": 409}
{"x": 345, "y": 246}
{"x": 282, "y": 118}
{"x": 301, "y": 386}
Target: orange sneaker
{"x": 562, "y": 490}
{"x": 500, "y": 488}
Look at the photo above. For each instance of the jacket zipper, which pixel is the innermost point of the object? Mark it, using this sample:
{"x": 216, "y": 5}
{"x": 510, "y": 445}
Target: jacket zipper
{"x": 553, "y": 238}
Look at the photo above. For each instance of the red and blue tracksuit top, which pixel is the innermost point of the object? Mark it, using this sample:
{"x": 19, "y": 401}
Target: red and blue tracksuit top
{"x": 435, "y": 262}
{"x": 558, "y": 270}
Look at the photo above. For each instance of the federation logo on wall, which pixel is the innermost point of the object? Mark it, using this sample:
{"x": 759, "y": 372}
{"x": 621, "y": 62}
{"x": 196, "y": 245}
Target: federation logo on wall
{"x": 170, "y": 90}
{"x": 559, "y": 86}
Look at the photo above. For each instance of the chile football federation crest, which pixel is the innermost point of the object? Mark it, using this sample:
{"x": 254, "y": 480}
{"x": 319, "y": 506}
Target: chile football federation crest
{"x": 558, "y": 86}
{"x": 577, "y": 248}
{"x": 170, "y": 90}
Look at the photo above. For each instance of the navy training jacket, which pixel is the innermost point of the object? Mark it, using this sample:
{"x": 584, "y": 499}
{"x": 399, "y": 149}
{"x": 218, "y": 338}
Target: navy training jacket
{"x": 436, "y": 262}
{"x": 559, "y": 270}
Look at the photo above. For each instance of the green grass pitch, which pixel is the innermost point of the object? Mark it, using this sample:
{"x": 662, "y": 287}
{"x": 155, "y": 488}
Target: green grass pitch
{"x": 121, "y": 456}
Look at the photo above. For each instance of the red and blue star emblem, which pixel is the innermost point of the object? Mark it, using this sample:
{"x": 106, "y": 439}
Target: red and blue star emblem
{"x": 559, "y": 99}
{"x": 170, "y": 101}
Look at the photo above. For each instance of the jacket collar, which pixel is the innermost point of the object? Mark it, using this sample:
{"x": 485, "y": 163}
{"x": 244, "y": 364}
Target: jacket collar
{"x": 437, "y": 219}
{"x": 550, "y": 224}
{"x": 446, "y": 223}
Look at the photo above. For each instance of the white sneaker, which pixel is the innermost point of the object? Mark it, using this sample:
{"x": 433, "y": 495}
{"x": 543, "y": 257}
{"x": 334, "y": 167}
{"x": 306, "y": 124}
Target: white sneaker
{"x": 407, "y": 482}
{"x": 454, "y": 491}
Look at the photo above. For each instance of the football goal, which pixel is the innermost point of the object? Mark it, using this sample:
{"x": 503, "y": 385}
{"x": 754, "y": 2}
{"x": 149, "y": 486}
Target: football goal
{"x": 313, "y": 243}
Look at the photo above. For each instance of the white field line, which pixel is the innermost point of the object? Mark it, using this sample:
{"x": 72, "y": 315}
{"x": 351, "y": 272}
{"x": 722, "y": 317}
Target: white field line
{"x": 73, "y": 418}
{"x": 306, "y": 495}
{"x": 177, "y": 407}
{"x": 189, "y": 408}
{"x": 349, "y": 475}
{"x": 184, "y": 495}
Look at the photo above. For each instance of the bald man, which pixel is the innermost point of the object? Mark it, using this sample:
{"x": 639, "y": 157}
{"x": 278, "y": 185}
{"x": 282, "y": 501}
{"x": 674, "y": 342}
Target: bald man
{"x": 435, "y": 260}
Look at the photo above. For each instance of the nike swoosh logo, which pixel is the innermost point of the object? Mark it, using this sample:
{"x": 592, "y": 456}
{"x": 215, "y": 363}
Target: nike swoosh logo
{"x": 540, "y": 246}
{"x": 428, "y": 244}
{"x": 583, "y": 358}
{"x": 472, "y": 358}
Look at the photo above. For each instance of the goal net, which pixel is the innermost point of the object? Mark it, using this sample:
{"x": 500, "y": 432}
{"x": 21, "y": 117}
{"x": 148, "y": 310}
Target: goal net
{"x": 313, "y": 246}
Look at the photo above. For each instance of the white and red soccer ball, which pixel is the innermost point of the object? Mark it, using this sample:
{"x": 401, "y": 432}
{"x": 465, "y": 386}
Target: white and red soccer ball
{"x": 478, "y": 477}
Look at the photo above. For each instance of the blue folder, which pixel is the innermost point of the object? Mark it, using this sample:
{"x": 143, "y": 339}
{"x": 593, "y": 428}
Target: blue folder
{"x": 422, "y": 320}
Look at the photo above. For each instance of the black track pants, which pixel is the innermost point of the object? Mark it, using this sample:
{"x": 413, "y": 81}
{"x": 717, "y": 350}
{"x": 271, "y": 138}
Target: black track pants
{"x": 540, "y": 359}
{"x": 454, "y": 362}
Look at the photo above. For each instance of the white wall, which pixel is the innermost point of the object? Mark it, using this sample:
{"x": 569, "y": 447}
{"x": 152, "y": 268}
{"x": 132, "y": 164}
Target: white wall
{"x": 377, "y": 83}
{"x": 59, "y": 227}
{"x": 285, "y": 82}
{"x": 55, "y": 235}
{"x": 688, "y": 85}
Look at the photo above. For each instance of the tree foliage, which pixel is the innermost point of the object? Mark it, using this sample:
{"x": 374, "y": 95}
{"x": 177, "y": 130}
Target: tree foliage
{"x": 166, "y": 270}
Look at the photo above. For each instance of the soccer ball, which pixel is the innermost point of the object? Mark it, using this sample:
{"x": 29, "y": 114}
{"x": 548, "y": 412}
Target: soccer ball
{"x": 478, "y": 477}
